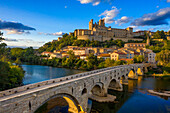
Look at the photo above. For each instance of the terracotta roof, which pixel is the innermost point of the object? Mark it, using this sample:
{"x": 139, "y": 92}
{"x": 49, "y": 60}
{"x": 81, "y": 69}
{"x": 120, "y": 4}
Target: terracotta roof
{"x": 135, "y": 43}
{"x": 126, "y": 59}
{"x": 83, "y": 55}
{"x": 104, "y": 55}
{"x": 121, "y": 53}
{"x": 46, "y": 52}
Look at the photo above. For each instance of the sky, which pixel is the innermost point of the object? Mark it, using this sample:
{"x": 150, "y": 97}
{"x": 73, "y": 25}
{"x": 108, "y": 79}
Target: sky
{"x": 35, "y": 22}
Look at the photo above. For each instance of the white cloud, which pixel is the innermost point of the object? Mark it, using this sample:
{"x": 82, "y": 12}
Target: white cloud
{"x": 109, "y": 15}
{"x": 123, "y": 20}
{"x": 94, "y": 2}
{"x": 65, "y": 7}
{"x": 168, "y": 0}
{"x": 134, "y": 27}
{"x": 15, "y": 27}
{"x": 158, "y": 18}
{"x": 157, "y": 6}
{"x": 10, "y": 40}
{"x": 54, "y": 34}
{"x": 16, "y": 31}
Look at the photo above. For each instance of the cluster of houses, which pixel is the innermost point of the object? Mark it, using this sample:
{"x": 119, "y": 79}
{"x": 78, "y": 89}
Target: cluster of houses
{"x": 126, "y": 53}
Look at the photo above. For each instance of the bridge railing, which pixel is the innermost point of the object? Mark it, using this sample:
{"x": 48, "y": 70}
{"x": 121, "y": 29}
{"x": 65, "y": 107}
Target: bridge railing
{"x": 47, "y": 82}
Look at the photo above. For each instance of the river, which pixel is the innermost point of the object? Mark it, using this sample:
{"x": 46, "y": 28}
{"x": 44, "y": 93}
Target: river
{"x": 134, "y": 98}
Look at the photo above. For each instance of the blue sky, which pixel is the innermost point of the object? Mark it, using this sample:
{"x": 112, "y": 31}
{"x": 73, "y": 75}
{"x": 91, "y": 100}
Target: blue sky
{"x": 34, "y": 22}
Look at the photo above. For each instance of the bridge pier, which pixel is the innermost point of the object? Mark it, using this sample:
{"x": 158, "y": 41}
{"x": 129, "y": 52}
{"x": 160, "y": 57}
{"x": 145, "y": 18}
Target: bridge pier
{"x": 75, "y": 89}
{"x": 124, "y": 81}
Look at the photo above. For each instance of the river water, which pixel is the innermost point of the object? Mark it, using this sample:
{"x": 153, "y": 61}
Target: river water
{"x": 133, "y": 99}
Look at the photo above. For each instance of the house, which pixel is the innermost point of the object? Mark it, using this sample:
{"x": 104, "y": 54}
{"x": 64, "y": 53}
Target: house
{"x": 118, "y": 55}
{"x": 55, "y": 55}
{"x": 83, "y": 57}
{"x": 104, "y": 56}
{"x": 46, "y": 53}
{"x": 151, "y": 57}
{"x": 135, "y": 45}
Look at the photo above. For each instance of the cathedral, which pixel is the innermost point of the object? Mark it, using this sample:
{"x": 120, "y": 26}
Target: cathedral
{"x": 98, "y": 31}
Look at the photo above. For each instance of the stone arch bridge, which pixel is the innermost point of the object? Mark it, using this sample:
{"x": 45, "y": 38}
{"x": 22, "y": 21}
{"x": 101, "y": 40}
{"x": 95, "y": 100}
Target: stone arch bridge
{"x": 75, "y": 89}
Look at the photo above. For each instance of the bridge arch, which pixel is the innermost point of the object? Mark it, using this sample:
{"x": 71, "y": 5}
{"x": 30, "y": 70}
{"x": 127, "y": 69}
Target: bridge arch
{"x": 84, "y": 91}
{"x": 98, "y": 89}
{"x": 72, "y": 102}
{"x": 139, "y": 71}
{"x": 115, "y": 85}
{"x": 132, "y": 74}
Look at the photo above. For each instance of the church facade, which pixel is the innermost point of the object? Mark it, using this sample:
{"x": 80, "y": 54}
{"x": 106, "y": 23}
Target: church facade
{"x": 98, "y": 31}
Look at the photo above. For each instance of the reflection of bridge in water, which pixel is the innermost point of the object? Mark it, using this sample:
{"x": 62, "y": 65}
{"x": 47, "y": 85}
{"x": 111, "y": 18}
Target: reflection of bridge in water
{"x": 75, "y": 89}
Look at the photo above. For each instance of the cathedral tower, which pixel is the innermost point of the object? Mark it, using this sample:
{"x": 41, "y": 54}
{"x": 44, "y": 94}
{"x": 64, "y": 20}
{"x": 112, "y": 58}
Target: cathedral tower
{"x": 91, "y": 24}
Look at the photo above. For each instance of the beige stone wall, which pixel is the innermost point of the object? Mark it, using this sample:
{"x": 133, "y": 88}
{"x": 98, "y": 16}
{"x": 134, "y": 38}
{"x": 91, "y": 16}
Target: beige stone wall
{"x": 101, "y": 33}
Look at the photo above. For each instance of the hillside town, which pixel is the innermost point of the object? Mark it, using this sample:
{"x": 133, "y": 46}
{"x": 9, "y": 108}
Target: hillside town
{"x": 99, "y": 32}
{"x": 126, "y": 53}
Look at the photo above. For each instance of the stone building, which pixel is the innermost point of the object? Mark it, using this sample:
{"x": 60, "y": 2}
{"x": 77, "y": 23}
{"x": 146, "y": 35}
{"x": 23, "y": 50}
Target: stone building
{"x": 100, "y": 32}
{"x": 151, "y": 57}
{"x": 118, "y": 55}
{"x": 135, "y": 45}
{"x": 104, "y": 56}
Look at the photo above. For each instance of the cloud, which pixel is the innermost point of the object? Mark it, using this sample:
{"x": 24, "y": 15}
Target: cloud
{"x": 10, "y": 40}
{"x": 123, "y": 20}
{"x": 65, "y": 6}
{"x": 15, "y": 27}
{"x": 53, "y": 34}
{"x": 134, "y": 27}
{"x": 16, "y": 31}
{"x": 168, "y": 1}
{"x": 158, "y": 18}
{"x": 94, "y": 2}
{"x": 158, "y": 28}
{"x": 109, "y": 15}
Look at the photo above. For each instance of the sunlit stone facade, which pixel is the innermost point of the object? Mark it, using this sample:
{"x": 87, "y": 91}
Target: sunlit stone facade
{"x": 100, "y": 32}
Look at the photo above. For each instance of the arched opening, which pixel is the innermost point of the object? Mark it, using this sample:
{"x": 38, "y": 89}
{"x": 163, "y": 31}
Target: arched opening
{"x": 60, "y": 103}
{"x": 139, "y": 71}
{"x": 29, "y": 105}
{"x": 123, "y": 80}
{"x": 132, "y": 74}
{"x": 84, "y": 91}
{"x": 115, "y": 85}
{"x": 96, "y": 90}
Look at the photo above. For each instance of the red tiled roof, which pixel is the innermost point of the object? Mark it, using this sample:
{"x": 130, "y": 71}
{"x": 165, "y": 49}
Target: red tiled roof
{"x": 125, "y": 59}
{"x": 120, "y": 53}
{"x": 104, "y": 55}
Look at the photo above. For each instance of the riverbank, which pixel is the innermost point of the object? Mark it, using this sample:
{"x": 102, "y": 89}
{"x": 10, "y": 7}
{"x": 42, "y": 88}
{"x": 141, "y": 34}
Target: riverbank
{"x": 163, "y": 93}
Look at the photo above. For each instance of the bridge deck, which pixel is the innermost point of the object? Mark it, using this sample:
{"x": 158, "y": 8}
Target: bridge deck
{"x": 29, "y": 91}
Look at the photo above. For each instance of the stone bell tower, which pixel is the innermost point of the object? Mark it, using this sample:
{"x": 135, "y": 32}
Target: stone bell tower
{"x": 148, "y": 40}
{"x": 91, "y": 24}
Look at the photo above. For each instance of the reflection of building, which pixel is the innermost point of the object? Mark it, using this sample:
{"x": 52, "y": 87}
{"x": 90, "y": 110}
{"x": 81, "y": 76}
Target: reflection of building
{"x": 100, "y": 32}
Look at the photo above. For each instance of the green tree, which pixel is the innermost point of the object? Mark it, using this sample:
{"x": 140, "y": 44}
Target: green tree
{"x": 138, "y": 59}
{"x": 91, "y": 62}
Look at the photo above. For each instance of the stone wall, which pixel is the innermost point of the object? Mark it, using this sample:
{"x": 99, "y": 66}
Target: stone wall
{"x": 28, "y": 98}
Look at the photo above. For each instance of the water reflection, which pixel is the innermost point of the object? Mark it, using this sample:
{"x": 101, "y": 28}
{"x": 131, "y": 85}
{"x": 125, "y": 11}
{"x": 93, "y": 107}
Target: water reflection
{"x": 136, "y": 99}
{"x": 37, "y": 73}
{"x": 133, "y": 99}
